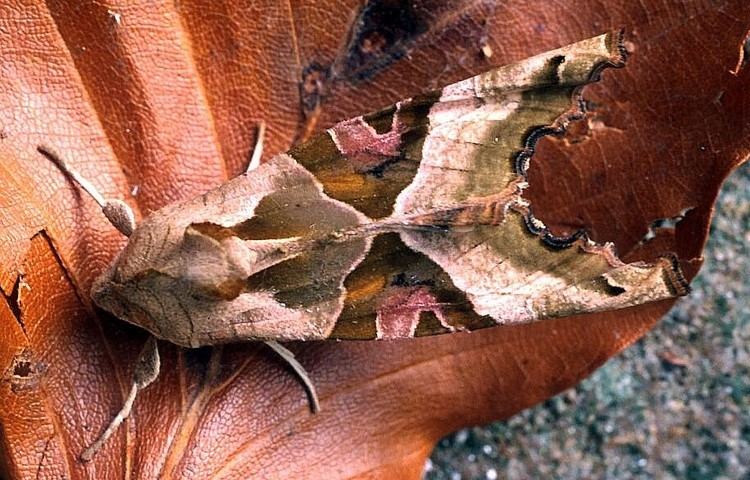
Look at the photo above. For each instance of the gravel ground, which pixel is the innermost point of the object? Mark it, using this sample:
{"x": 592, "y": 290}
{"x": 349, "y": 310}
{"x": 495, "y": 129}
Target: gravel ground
{"x": 674, "y": 405}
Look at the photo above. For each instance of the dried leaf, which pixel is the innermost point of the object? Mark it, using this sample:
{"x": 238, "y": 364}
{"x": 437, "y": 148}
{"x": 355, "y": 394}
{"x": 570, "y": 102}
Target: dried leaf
{"x": 164, "y": 98}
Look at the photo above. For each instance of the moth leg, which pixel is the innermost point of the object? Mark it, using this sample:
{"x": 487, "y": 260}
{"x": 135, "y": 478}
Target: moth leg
{"x": 117, "y": 212}
{"x": 258, "y": 149}
{"x": 146, "y": 370}
{"x": 289, "y": 358}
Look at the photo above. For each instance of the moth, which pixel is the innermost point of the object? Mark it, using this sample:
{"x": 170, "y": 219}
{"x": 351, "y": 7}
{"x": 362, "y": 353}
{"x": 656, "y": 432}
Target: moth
{"x": 406, "y": 222}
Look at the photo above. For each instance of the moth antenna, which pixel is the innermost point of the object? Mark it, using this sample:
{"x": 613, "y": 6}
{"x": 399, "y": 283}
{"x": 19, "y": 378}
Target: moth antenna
{"x": 258, "y": 149}
{"x": 119, "y": 214}
{"x": 146, "y": 371}
{"x": 289, "y": 358}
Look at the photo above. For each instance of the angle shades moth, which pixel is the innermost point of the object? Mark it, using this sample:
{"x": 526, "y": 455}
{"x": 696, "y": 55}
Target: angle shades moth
{"x": 406, "y": 222}
{"x": 409, "y": 221}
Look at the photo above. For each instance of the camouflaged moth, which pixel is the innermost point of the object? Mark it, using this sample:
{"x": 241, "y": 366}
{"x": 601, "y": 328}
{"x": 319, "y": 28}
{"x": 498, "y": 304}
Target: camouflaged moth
{"x": 406, "y": 222}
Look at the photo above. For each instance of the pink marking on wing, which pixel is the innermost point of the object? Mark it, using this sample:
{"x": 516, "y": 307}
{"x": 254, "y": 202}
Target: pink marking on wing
{"x": 398, "y": 313}
{"x": 364, "y": 146}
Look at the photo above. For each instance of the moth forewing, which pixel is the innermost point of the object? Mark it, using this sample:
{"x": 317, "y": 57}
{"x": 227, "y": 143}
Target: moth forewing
{"x": 450, "y": 167}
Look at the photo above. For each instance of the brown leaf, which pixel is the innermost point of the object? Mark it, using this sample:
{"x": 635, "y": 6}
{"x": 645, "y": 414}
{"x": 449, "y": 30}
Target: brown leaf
{"x": 164, "y": 98}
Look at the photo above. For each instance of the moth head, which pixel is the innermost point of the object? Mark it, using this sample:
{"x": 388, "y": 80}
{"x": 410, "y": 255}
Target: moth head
{"x": 120, "y": 300}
